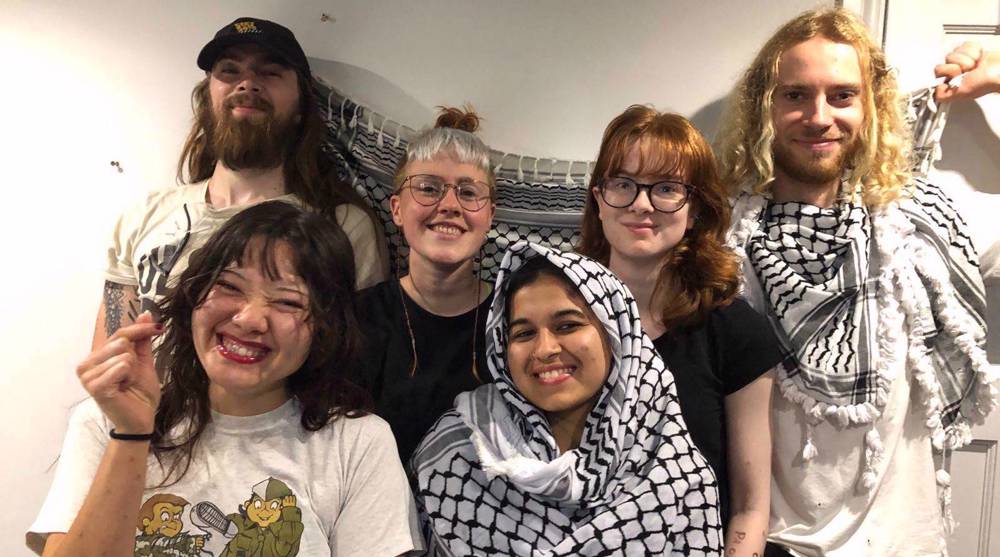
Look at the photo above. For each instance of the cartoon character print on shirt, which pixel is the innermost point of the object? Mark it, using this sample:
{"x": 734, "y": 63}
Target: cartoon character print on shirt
{"x": 268, "y": 524}
{"x": 161, "y": 526}
{"x": 155, "y": 266}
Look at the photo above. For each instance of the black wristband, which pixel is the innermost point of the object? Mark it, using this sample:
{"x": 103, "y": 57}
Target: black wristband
{"x": 130, "y": 436}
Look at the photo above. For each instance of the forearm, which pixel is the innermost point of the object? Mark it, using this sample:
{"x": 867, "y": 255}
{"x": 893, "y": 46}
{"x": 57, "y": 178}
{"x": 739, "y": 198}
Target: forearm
{"x": 748, "y": 424}
{"x": 107, "y": 520}
{"x": 746, "y": 533}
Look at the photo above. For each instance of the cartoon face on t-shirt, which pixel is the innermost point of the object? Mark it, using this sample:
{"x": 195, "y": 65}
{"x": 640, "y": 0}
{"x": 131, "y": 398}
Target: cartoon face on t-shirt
{"x": 161, "y": 526}
{"x": 266, "y": 524}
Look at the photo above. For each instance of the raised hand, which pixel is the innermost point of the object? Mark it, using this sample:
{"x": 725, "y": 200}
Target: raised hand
{"x": 121, "y": 377}
{"x": 979, "y": 70}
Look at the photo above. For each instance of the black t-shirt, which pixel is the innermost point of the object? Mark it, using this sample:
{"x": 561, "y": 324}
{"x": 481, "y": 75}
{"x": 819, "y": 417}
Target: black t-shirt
{"x": 734, "y": 346}
{"x": 412, "y": 403}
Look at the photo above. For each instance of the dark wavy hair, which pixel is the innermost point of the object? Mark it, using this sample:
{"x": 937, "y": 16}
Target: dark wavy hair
{"x": 323, "y": 259}
{"x": 700, "y": 273}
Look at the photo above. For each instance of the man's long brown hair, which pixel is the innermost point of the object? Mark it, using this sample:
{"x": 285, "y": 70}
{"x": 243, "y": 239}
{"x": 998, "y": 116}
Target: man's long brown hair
{"x": 700, "y": 273}
{"x": 309, "y": 173}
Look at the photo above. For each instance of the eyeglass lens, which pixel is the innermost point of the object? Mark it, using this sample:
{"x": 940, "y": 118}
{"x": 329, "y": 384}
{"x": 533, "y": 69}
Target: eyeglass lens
{"x": 666, "y": 196}
{"x": 428, "y": 189}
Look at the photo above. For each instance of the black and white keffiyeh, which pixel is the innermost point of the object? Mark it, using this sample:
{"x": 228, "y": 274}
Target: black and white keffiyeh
{"x": 840, "y": 283}
{"x": 814, "y": 268}
{"x": 491, "y": 481}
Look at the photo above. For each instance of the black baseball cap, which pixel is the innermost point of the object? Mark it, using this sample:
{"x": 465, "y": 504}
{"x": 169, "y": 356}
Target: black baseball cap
{"x": 268, "y": 34}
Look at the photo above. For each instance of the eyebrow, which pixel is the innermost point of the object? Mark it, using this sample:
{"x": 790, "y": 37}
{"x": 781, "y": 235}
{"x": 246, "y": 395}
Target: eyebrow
{"x": 670, "y": 178}
{"x": 458, "y": 179}
{"x": 843, "y": 85}
{"x": 291, "y": 289}
{"x": 561, "y": 313}
{"x": 281, "y": 287}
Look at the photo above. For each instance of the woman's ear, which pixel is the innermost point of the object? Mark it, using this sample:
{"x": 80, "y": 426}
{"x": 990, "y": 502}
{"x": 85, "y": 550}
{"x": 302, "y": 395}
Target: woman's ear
{"x": 596, "y": 192}
{"x": 394, "y": 210}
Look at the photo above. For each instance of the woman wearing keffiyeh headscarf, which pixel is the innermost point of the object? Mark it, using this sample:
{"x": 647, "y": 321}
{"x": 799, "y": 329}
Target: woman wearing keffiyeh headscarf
{"x": 578, "y": 446}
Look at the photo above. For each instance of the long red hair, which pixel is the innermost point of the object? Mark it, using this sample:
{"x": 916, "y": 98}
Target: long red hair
{"x": 700, "y": 273}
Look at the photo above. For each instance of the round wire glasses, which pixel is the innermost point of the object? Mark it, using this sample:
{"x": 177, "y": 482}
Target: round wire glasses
{"x": 428, "y": 190}
{"x": 668, "y": 196}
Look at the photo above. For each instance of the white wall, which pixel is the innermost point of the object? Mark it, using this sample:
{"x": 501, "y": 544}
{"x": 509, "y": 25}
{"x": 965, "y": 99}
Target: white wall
{"x": 86, "y": 82}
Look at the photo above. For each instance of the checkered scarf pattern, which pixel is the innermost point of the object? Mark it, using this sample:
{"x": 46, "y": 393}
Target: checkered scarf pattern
{"x": 491, "y": 481}
{"x": 815, "y": 270}
{"x": 837, "y": 281}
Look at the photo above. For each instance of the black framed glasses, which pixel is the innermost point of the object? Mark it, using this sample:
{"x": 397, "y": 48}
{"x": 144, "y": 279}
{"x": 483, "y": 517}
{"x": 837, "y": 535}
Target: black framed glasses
{"x": 668, "y": 196}
{"x": 428, "y": 190}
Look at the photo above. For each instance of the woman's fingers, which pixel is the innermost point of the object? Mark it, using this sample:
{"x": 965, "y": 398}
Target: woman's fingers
{"x": 135, "y": 338}
{"x": 125, "y": 392}
{"x": 137, "y": 332}
{"x": 110, "y": 349}
{"x": 99, "y": 382}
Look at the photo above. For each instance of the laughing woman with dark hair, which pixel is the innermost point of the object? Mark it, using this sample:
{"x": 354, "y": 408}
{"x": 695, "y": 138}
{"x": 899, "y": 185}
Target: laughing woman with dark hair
{"x": 256, "y": 443}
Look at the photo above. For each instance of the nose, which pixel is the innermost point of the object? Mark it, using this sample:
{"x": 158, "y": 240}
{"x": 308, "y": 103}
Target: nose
{"x": 252, "y": 316}
{"x": 819, "y": 113}
{"x": 248, "y": 82}
{"x": 546, "y": 346}
{"x": 641, "y": 204}
{"x": 450, "y": 201}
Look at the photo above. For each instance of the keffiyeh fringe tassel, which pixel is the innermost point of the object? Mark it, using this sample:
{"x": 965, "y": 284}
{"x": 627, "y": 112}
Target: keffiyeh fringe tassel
{"x": 955, "y": 323}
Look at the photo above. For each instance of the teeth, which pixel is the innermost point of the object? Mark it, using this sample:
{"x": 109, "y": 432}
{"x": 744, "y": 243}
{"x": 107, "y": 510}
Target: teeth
{"x": 241, "y": 350}
{"x": 447, "y": 229}
{"x": 552, "y": 374}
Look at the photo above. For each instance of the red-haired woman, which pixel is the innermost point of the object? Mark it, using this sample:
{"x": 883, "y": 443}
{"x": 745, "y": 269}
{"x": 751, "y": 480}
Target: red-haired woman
{"x": 657, "y": 217}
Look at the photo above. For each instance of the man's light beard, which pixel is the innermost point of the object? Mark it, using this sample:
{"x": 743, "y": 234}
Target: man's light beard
{"x": 813, "y": 169}
{"x": 260, "y": 141}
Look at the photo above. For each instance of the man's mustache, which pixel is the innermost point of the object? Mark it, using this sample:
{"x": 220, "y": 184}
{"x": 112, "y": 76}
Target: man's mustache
{"x": 247, "y": 100}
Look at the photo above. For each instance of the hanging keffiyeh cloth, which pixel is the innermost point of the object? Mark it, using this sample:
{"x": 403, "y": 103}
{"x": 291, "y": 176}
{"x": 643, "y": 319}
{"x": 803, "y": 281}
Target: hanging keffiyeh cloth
{"x": 490, "y": 477}
{"x": 837, "y": 283}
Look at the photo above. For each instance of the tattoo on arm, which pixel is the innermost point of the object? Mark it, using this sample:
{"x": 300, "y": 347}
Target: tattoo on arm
{"x": 740, "y": 536}
{"x": 115, "y": 307}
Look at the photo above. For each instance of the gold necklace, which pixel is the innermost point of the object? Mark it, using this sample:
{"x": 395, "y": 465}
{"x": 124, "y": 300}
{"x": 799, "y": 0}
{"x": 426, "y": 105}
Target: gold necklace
{"x": 409, "y": 328}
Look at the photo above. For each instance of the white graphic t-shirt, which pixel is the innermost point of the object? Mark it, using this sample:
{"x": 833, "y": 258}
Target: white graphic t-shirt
{"x": 257, "y": 486}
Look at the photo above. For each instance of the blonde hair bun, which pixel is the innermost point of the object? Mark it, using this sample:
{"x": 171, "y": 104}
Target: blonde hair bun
{"x": 464, "y": 118}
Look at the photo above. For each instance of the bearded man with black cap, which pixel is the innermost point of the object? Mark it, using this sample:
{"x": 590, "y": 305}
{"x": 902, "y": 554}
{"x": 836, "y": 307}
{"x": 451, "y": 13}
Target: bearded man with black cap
{"x": 257, "y": 135}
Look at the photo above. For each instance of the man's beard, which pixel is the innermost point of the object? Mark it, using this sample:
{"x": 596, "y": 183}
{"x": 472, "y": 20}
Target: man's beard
{"x": 260, "y": 141}
{"x": 811, "y": 169}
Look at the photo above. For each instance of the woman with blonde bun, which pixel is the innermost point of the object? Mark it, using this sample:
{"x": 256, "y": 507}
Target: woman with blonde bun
{"x": 425, "y": 329}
